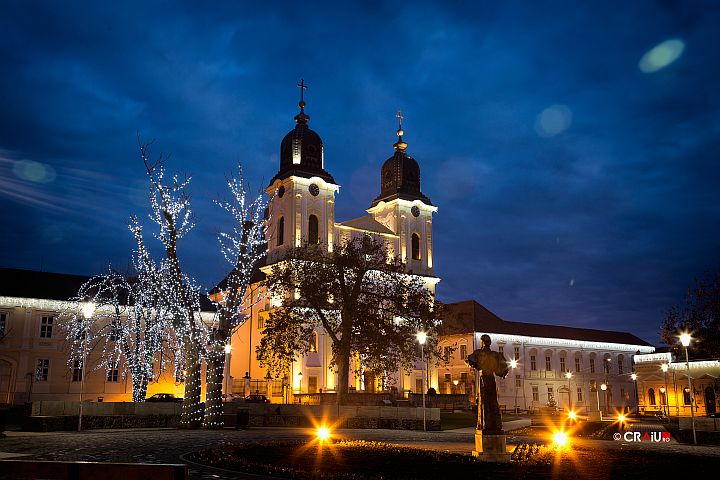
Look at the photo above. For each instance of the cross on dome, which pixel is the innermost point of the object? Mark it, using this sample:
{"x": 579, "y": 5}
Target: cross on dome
{"x": 400, "y": 145}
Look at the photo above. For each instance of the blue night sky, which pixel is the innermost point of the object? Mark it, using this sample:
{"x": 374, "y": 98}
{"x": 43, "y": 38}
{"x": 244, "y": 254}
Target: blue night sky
{"x": 575, "y": 168}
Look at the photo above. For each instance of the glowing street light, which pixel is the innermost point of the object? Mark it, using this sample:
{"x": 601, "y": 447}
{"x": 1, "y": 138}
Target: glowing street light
{"x": 685, "y": 339}
{"x": 604, "y": 388}
{"x": 568, "y": 375}
{"x": 560, "y": 439}
{"x": 88, "y": 310}
{"x": 666, "y": 408}
{"x": 322, "y": 434}
{"x": 513, "y": 365}
{"x": 422, "y": 338}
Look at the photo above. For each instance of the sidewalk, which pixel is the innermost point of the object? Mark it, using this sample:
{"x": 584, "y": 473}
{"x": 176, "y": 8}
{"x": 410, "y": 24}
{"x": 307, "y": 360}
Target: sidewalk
{"x": 507, "y": 426}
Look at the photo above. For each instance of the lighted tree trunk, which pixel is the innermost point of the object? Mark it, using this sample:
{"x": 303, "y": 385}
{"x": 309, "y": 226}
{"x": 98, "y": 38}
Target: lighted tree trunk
{"x": 191, "y": 416}
{"x": 140, "y": 384}
{"x": 214, "y": 378}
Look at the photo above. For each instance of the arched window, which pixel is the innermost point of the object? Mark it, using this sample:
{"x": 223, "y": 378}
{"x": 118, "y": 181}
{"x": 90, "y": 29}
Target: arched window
{"x": 281, "y": 231}
{"x": 651, "y": 396}
{"x": 313, "y": 233}
{"x": 415, "y": 246}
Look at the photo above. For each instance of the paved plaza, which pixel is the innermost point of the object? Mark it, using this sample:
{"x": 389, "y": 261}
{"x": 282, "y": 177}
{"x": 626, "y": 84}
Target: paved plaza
{"x": 168, "y": 445}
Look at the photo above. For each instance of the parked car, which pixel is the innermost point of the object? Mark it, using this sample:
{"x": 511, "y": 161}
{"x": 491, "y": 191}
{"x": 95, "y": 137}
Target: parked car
{"x": 164, "y": 397}
{"x": 256, "y": 398}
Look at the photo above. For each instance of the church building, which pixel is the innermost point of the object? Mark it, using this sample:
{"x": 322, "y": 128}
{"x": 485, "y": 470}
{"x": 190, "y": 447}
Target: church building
{"x": 302, "y": 212}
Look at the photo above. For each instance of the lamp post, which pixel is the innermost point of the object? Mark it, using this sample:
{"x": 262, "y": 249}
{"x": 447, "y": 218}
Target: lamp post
{"x": 637, "y": 399}
{"x": 88, "y": 309}
{"x": 568, "y": 375}
{"x": 604, "y": 387}
{"x": 422, "y": 338}
{"x": 663, "y": 390}
{"x": 455, "y": 382}
{"x": 228, "y": 385}
{"x": 513, "y": 365}
{"x": 685, "y": 339}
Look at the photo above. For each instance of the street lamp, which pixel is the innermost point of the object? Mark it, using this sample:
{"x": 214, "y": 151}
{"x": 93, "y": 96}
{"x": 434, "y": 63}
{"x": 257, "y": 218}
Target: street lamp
{"x": 685, "y": 339}
{"x": 604, "y": 387}
{"x": 666, "y": 409}
{"x": 568, "y": 375}
{"x": 228, "y": 388}
{"x": 637, "y": 399}
{"x": 422, "y": 338}
{"x": 513, "y": 365}
{"x": 88, "y": 310}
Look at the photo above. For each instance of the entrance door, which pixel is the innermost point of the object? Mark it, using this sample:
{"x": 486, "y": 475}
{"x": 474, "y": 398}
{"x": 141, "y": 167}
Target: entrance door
{"x": 709, "y": 401}
{"x": 312, "y": 383}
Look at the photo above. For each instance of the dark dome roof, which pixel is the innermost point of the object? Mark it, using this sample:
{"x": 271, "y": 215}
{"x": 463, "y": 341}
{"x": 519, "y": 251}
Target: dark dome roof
{"x": 308, "y": 143}
{"x": 400, "y": 178}
{"x": 301, "y": 152}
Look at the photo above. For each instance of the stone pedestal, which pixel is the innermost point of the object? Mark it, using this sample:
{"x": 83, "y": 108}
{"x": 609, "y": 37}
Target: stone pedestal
{"x": 594, "y": 416}
{"x": 491, "y": 447}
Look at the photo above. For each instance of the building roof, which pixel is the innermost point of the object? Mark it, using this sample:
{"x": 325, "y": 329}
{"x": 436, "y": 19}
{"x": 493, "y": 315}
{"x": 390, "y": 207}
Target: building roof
{"x": 367, "y": 223}
{"x": 15, "y": 282}
{"x": 469, "y": 316}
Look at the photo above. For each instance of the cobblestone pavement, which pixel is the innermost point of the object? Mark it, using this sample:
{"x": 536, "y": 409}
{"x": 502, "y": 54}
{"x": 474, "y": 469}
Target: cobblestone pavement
{"x": 167, "y": 445}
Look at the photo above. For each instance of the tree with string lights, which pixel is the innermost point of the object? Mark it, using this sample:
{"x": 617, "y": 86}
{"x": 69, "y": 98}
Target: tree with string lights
{"x": 177, "y": 293}
{"x": 243, "y": 247}
{"x": 361, "y": 296}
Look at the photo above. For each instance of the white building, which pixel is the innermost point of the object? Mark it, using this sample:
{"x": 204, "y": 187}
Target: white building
{"x": 545, "y": 355}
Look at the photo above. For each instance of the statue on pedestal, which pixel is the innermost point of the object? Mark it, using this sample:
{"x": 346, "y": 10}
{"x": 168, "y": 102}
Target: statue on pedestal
{"x": 489, "y": 430}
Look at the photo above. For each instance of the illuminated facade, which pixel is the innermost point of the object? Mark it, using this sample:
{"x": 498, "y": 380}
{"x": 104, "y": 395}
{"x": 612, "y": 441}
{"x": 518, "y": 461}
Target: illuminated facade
{"x": 34, "y": 350}
{"x": 302, "y": 212}
{"x": 662, "y": 385}
{"x": 544, "y": 356}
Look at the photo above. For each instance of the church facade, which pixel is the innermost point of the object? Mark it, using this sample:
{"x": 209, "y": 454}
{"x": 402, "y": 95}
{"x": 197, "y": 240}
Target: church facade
{"x": 302, "y": 212}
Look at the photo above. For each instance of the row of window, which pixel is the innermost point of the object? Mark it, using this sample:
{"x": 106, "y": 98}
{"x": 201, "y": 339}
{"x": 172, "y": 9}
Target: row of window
{"x": 663, "y": 397}
{"x": 447, "y": 353}
{"x": 42, "y": 371}
{"x": 314, "y": 235}
{"x": 48, "y": 323}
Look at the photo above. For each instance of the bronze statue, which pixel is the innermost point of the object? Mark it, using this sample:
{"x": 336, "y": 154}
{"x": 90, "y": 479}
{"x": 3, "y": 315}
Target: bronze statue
{"x": 489, "y": 363}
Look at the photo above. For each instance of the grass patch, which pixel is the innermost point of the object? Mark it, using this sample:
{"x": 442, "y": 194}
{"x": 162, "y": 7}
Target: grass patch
{"x": 453, "y": 420}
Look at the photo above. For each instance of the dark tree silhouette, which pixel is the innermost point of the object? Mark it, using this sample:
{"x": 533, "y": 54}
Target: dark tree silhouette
{"x": 699, "y": 315}
{"x": 361, "y": 296}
